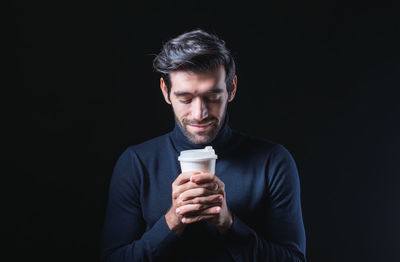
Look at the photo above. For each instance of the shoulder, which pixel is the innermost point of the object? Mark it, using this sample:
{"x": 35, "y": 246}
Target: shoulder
{"x": 148, "y": 149}
{"x": 254, "y": 148}
{"x": 259, "y": 144}
{"x": 135, "y": 156}
{"x": 151, "y": 144}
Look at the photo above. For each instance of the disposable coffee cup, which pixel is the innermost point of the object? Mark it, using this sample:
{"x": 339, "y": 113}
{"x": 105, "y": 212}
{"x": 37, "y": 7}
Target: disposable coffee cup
{"x": 202, "y": 160}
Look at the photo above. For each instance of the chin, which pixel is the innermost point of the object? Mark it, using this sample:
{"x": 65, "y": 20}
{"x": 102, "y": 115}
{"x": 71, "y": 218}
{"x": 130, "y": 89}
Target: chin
{"x": 201, "y": 141}
{"x": 202, "y": 138}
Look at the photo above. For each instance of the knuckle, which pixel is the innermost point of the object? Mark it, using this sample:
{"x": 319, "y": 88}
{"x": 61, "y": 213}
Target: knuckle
{"x": 182, "y": 195}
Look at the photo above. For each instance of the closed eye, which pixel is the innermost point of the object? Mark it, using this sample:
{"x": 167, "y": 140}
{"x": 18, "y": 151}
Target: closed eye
{"x": 212, "y": 99}
{"x": 186, "y": 101}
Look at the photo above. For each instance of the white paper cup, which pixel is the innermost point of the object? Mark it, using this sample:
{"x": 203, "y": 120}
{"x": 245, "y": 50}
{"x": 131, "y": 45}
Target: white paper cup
{"x": 202, "y": 160}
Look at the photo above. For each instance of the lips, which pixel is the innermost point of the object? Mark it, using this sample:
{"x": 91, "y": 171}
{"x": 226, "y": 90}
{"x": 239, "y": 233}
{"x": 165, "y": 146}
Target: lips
{"x": 201, "y": 127}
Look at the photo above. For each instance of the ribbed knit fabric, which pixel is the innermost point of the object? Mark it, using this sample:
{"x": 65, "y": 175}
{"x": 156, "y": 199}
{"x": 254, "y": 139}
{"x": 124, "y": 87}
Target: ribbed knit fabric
{"x": 262, "y": 192}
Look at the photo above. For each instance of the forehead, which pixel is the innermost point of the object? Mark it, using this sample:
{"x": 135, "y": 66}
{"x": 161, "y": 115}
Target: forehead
{"x": 193, "y": 82}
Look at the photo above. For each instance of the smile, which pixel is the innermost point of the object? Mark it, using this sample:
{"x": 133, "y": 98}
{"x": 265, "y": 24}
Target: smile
{"x": 201, "y": 127}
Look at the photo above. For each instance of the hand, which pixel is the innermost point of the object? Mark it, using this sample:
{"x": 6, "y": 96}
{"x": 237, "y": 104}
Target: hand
{"x": 217, "y": 215}
{"x": 183, "y": 203}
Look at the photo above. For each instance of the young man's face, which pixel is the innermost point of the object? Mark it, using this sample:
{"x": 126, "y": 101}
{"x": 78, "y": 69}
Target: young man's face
{"x": 199, "y": 102}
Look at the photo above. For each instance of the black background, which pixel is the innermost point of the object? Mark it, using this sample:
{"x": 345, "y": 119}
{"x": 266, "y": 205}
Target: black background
{"x": 319, "y": 77}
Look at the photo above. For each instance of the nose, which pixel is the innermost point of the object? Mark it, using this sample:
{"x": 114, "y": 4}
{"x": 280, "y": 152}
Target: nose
{"x": 199, "y": 110}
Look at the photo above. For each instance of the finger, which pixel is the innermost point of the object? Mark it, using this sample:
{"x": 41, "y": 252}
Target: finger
{"x": 206, "y": 200}
{"x": 188, "y": 220}
{"x": 202, "y": 178}
{"x": 184, "y": 177}
{"x": 197, "y": 209}
{"x": 195, "y": 192}
{"x": 189, "y": 185}
{"x": 208, "y": 213}
{"x": 214, "y": 210}
{"x": 190, "y": 209}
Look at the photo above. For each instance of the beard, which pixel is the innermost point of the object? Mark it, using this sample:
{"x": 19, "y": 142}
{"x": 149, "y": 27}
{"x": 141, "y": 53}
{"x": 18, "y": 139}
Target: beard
{"x": 202, "y": 137}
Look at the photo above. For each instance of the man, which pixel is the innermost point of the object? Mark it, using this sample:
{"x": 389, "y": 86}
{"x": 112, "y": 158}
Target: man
{"x": 249, "y": 210}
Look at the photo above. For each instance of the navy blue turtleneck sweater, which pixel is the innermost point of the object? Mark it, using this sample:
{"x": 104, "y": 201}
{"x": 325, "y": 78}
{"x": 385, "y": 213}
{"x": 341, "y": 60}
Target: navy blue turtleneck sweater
{"x": 262, "y": 193}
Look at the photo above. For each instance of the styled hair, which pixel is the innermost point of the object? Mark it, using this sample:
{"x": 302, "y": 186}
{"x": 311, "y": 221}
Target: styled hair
{"x": 196, "y": 51}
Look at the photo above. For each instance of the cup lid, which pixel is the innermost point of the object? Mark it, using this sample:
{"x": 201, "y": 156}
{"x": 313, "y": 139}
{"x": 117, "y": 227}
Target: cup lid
{"x": 198, "y": 154}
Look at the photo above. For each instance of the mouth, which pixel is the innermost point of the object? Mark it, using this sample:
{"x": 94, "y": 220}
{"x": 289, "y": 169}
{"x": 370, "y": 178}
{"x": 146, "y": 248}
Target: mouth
{"x": 201, "y": 127}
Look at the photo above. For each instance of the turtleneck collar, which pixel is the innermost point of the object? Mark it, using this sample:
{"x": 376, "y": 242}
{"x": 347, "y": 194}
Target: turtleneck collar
{"x": 180, "y": 141}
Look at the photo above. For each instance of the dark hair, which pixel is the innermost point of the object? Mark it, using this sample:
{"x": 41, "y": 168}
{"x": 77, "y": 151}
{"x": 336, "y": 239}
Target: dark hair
{"x": 196, "y": 51}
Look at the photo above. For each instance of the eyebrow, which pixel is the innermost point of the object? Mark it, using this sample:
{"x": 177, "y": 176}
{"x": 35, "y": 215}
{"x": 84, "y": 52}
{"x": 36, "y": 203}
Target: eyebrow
{"x": 215, "y": 90}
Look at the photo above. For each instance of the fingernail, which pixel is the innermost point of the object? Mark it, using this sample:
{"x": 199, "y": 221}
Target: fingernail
{"x": 177, "y": 210}
{"x": 180, "y": 196}
{"x": 217, "y": 209}
{"x": 220, "y": 198}
{"x": 184, "y": 220}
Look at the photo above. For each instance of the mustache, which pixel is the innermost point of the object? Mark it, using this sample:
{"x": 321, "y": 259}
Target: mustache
{"x": 205, "y": 121}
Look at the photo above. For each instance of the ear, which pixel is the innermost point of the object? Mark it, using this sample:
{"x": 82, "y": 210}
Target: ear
{"x": 233, "y": 89}
{"x": 164, "y": 90}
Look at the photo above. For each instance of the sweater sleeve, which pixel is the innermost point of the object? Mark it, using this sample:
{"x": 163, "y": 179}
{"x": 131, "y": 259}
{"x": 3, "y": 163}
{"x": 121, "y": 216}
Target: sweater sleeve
{"x": 285, "y": 241}
{"x": 124, "y": 236}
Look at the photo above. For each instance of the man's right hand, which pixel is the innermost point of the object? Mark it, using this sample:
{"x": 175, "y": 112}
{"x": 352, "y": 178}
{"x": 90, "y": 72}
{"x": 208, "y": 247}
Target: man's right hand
{"x": 202, "y": 203}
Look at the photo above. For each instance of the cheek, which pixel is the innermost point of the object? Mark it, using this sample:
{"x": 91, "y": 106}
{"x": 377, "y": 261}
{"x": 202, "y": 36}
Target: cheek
{"x": 181, "y": 111}
{"x": 217, "y": 109}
